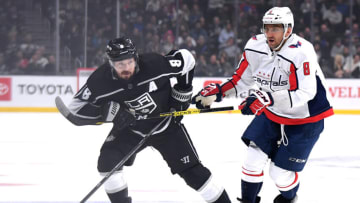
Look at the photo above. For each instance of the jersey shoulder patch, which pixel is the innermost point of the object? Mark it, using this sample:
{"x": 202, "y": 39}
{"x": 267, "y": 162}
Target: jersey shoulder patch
{"x": 298, "y": 44}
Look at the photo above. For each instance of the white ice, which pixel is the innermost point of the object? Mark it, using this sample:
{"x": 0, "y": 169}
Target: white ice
{"x": 44, "y": 158}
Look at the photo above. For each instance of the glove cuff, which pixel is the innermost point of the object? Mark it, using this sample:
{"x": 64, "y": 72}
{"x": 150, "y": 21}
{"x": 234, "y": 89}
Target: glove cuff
{"x": 264, "y": 97}
{"x": 180, "y": 94}
{"x": 111, "y": 111}
{"x": 219, "y": 95}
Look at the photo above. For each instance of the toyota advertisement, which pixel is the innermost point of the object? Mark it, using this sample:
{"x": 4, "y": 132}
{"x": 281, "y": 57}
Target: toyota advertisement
{"x": 35, "y": 92}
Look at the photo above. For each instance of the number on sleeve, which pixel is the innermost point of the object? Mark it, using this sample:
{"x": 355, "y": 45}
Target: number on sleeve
{"x": 175, "y": 63}
{"x": 306, "y": 68}
{"x": 86, "y": 94}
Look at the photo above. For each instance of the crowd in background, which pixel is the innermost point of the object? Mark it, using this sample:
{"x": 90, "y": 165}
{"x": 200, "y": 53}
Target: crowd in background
{"x": 215, "y": 31}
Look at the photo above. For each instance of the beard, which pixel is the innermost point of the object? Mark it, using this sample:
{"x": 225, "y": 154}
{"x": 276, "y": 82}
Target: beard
{"x": 126, "y": 75}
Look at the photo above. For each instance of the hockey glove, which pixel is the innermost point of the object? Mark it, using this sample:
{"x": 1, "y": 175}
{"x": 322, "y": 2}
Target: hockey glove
{"x": 180, "y": 99}
{"x": 208, "y": 95}
{"x": 255, "y": 103}
{"x": 121, "y": 117}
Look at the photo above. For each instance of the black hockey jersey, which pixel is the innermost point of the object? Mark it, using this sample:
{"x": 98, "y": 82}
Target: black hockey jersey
{"x": 147, "y": 93}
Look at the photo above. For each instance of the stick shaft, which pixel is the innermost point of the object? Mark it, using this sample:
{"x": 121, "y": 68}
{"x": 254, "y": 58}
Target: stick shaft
{"x": 122, "y": 162}
{"x": 197, "y": 111}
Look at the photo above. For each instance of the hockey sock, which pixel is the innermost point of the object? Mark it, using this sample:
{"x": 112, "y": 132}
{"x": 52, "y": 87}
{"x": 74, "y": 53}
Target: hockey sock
{"x": 291, "y": 193}
{"x": 249, "y": 190}
{"x": 120, "y": 197}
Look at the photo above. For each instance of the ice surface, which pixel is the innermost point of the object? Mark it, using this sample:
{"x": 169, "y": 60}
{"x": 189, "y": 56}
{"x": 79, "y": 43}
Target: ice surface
{"x": 44, "y": 158}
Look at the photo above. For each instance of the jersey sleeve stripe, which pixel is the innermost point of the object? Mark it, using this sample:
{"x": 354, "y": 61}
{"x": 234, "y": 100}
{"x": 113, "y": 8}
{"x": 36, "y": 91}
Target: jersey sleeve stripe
{"x": 293, "y": 80}
{"x": 237, "y": 75}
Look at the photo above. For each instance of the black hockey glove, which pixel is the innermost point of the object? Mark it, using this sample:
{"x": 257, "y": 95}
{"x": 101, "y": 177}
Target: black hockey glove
{"x": 121, "y": 117}
{"x": 180, "y": 99}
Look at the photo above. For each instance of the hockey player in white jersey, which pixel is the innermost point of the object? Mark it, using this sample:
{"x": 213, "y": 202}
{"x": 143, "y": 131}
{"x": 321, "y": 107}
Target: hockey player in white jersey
{"x": 290, "y": 105}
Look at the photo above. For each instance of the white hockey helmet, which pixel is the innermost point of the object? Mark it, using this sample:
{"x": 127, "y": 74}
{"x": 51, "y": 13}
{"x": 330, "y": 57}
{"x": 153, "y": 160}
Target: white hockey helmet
{"x": 279, "y": 15}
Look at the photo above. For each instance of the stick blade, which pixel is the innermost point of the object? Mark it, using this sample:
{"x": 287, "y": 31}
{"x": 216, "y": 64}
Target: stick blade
{"x": 62, "y": 107}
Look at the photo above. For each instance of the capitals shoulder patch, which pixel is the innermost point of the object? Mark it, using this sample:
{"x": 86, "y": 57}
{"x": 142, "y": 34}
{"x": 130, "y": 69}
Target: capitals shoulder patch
{"x": 298, "y": 44}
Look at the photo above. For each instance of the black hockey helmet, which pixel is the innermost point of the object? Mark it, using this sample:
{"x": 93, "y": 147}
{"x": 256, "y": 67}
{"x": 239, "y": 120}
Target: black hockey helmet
{"x": 121, "y": 48}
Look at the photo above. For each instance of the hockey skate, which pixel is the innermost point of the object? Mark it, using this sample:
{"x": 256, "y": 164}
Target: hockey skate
{"x": 247, "y": 201}
{"x": 281, "y": 199}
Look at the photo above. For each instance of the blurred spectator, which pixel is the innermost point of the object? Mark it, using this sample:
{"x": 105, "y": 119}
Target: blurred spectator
{"x": 337, "y": 48}
{"x": 225, "y": 34}
{"x": 333, "y": 16}
{"x": 338, "y": 66}
{"x": 190, "y": 44}
{"x": 214, "y": 32}
{"x": 3, "y": 66}
{"x": 318, "y": 51}
{"x": 231, "y": 49}
{"x": 167, "y": 45}
{"x": 225, "y": 64}
{"x": 138, "y": 38}
{"x": 356, "y": 30}
{"x": 342, "y": 7}
{"x": 202, "y": 46}
{"x": 139, "y": 23}
{"x": 38, "y": 62}
{"x": 201, "y": 66}
{"x": 28, "y": 48}
{"x": 201, "y": 25}
{"x": 153, "y": 6}
{"x": 305, "y": 8}
{"x": 214, "y": 66}
{"x": 350, "y": 65}
{"x": 195, "y": 15}
{"x": 197, "y": 31}
{"x": 213, "y": 7}
{"x": 21, "y": 65}
{"x": 355, "y": 69}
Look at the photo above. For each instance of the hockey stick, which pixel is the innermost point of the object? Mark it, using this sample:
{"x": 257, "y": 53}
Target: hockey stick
{"x": 76, "y": 120}
{"x": 121, "y": 163}
{"x": 196, "y": 111}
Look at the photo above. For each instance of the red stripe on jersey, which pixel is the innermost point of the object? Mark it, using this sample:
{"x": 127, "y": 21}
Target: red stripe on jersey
{"x": 298, "y": 121}
{"x": 295, "y": 181}
{"x": 237, "y": 75}
{"x": 292, "y": 78}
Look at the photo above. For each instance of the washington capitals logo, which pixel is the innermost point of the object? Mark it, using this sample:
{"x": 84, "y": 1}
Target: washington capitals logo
{"x": 298, "y": 44}
{"x": 254, "y": 37}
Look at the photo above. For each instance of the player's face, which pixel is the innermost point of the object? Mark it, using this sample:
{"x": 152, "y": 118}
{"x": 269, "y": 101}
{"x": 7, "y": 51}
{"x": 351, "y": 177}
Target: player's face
{"x": 125, "y": 68}
{"x": 274, "y": 35}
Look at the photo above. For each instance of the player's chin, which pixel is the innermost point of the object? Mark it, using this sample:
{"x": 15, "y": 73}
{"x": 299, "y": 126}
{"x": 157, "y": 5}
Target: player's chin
{"x": 126, "y": 76}
{"x": 273, "y": 44}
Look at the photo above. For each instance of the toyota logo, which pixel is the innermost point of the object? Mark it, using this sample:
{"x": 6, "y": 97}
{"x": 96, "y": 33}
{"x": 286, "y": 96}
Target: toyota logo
{"x": 4, "y": 89}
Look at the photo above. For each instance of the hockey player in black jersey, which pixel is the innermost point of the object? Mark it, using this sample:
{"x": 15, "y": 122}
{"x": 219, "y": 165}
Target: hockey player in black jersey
{"x": 130, "y": 88}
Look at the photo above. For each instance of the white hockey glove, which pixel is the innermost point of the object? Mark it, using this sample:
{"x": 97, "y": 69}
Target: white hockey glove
{"x": 121, "y": 117}
{"x": 256, "y": 103}
{"x": 208, "y": 95}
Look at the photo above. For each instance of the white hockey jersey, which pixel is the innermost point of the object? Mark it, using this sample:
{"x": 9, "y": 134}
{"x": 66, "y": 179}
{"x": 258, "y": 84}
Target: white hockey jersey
{"x": 292, "y": 76}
